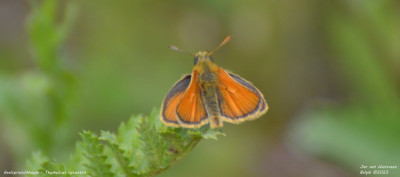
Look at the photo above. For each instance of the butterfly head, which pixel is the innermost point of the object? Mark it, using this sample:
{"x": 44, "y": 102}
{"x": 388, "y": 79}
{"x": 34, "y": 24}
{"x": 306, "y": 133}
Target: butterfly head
{"x": 202, "y": 56}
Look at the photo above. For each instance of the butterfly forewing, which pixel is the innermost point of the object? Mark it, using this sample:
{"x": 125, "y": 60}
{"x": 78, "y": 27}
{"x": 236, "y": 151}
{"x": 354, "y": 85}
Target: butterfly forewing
{"x": 238, "y": 99}
{"x": 263, "y": 105}
{"x": 174, "y": 96}
{"x": 191, "y": 110}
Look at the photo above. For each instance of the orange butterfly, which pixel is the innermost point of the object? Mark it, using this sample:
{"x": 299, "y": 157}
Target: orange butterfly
{"x": 211, "y": 95}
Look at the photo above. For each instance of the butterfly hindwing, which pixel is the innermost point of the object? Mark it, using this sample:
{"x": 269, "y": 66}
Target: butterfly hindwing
{"x": 191, "y": 112}
{"x": 174, "y": 96}
{"x": 238, "y": 99}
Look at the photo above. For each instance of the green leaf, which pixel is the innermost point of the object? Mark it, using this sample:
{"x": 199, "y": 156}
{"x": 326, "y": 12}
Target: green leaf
{"x": 93, "y": 150}
{"x": 142, "y": 147}
{"x": 36, "y": 161}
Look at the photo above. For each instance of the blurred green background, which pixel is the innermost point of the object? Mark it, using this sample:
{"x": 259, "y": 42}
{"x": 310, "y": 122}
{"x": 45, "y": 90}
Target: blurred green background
{"x": 330, "y": 71}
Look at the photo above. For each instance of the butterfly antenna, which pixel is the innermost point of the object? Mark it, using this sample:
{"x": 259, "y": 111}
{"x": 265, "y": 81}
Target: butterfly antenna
{"x": 179, "y": 50}
{"x": 226, "y": 40}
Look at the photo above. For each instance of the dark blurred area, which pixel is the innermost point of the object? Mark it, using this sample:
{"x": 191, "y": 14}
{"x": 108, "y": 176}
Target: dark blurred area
{"x": 329, "y": 70}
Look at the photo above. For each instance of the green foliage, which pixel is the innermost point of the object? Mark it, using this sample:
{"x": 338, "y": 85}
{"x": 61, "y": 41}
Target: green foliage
{"x": 371, "y": 118}
{"x": 45, "y": 167}
{"x": 46, "y": 35}
{"x": 142, "y": 147}
{"x": 36, "y": 104}
{"x": 93, "y": 150}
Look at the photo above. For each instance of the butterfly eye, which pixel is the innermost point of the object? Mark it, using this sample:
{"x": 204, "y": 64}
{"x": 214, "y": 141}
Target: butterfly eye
{"x": 196, "y": 59}
{"x": 211, "y": 59}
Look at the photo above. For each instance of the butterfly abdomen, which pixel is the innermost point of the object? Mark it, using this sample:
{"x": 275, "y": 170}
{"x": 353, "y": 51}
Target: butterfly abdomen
{"x": 209, "y": 93}
{"x": 210, "y": 98}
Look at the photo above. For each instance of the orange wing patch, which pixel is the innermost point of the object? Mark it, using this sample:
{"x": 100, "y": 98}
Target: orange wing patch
{"x": 238, "y": 101}
{"x": 263, "y": 107}
{"x": 168, "y": 111}
{"x": 190, "y": 111}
